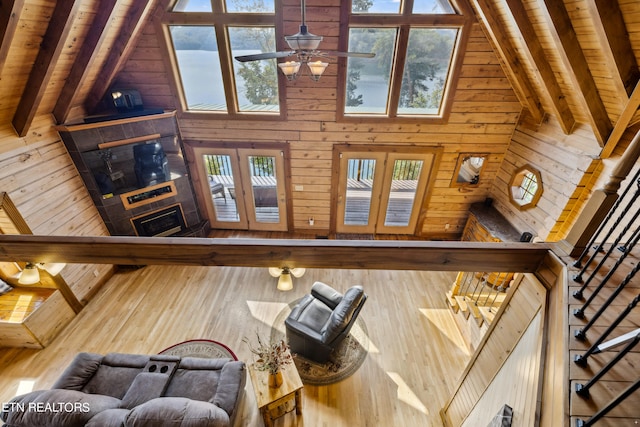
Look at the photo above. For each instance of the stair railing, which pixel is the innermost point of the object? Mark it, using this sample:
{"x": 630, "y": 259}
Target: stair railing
{"x": 623, "y": 220}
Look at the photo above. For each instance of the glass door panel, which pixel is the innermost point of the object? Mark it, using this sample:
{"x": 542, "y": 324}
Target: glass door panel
{"x": 262, "y": 170}
{"x": 402, "y": 194}
{"x": 219, "y": 183}
{"x": 406, "y": 178}
{"x": 265, "y": 198}
{"x": 222, "y": 187}
{"x": 359, "y": 193}
{"x": 360, "y": 176}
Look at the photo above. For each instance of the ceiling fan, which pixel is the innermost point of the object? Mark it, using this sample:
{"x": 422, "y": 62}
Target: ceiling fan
{"x": 304, "y": 46}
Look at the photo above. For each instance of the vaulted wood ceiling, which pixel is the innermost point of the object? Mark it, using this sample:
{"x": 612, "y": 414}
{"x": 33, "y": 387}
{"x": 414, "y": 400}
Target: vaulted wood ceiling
{"x": 574, "y": 59}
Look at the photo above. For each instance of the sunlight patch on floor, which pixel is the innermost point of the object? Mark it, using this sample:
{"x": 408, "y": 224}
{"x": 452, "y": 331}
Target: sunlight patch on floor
{"x": 405, "y": 394}
{"x": 267, "y": 312}
{"x": 25, "y": 386}
{"x": 19, "y": 313}
{"x": 443, "y": 320}
{"x": 357, "y": 332}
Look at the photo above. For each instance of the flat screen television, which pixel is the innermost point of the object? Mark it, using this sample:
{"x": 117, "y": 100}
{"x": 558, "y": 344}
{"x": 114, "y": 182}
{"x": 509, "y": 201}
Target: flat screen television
{"x": 130, "y": 167}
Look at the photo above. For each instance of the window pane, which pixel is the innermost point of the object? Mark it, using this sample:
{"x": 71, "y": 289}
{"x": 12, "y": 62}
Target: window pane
{"x": 199, "y": 64}
{"x": 263, "y": 6}
{"x": 256, "y": 81}
{"x": 432, "y": 7}
{"x": 426, "y": 69}
{"x": 192, "y": 6}
{"x": 368, "y": 79}
{"x": 375, "y": 6}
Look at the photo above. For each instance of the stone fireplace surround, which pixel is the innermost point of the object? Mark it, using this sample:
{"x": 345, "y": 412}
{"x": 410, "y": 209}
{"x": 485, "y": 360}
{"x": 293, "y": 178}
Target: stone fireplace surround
{"x": 88, "y": 137}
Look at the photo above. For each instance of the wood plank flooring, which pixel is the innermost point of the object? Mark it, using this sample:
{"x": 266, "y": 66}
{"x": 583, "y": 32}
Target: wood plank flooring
{"x": 415, "y": 358}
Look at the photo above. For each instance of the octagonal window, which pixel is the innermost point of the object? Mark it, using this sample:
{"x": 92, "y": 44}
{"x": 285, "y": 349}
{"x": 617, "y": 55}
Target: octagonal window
{"x": 525, "y": 187}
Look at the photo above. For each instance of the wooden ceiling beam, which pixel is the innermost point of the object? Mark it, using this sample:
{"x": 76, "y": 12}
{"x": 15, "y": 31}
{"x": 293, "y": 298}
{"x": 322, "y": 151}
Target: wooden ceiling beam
{"x": 53, "y": 42}
{"x": 575, "y": 63}
{"x": 9, "y": 16}
{"x": 85, "y": 59}
{"x": 514, "y": 70}
{"x": 611, "y": 32}
{"x": 120, "y": 51}
{"x": 534, "y": 51}
{"x": 344, "y": 254}
{"x": 624, "y": 122}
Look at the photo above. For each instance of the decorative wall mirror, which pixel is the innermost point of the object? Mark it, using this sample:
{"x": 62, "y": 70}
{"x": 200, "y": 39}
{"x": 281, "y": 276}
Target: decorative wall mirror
{"x": 468, "y": 170}
{"x": 525, "y": 187}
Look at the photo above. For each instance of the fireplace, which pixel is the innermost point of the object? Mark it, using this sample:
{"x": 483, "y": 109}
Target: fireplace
{"x": 163, "y": 222}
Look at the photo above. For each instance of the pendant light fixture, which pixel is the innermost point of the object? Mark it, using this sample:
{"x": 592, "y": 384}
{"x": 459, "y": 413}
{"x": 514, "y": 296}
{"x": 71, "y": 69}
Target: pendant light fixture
{"x": 285, "y": 276}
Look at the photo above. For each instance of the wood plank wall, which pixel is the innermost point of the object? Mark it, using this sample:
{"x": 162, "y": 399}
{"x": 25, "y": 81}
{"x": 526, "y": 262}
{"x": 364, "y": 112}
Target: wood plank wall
{"x": 568, "y": 166}
{"x": 45, "y": 187}
{"x": 555, "y": 381}
{"x": 482, "y": 120}
{"x": 514, "y": 342}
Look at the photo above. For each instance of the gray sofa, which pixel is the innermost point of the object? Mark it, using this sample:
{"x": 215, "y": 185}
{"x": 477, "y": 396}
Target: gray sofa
{"x": 135, "y": 390}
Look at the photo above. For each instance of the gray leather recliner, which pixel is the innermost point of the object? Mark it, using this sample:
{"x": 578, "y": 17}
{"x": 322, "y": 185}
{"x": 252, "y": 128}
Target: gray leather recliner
{"x": 322, "y": 320}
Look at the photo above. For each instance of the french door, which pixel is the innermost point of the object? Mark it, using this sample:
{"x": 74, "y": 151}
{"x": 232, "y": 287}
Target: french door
{"x": 244, "y": 188}
{"x": 381, "y": 192}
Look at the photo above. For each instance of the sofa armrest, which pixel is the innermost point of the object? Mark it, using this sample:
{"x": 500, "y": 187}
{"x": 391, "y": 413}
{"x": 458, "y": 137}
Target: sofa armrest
{"x": 79, "y": 372}
{"x": 229, "y": 392}
{"x": 326, "y": 294}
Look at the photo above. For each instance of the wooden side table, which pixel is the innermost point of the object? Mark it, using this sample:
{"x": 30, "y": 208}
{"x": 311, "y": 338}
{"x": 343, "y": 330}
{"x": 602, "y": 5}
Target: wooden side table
{"x": 275, "y": 402}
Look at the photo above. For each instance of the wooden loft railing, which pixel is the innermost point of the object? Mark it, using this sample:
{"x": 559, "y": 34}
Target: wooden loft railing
{"x": 344, "y": 254}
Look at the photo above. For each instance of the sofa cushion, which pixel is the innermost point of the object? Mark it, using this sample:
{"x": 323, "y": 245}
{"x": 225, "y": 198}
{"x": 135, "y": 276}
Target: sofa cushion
{"x": 116, "y": 374}
{"x": 109, "y": 418}
{"x": 196, "y": 378}
{"x": 57, "y": 408}
{"x": 176, "y": 411}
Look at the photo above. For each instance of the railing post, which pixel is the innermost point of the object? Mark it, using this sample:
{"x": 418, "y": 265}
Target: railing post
{"x": 600, "y": 203}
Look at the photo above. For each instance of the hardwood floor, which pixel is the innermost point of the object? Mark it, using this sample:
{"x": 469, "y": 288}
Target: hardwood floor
{"x": 415, "y": 357}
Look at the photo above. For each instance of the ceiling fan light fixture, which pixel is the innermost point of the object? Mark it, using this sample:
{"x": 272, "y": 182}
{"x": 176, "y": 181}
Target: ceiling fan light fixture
{"x": 317, "y": 68}
{"x": 285, "y": 283}
{"x": 303, "y": 40}
{"x": 290, "y": 69}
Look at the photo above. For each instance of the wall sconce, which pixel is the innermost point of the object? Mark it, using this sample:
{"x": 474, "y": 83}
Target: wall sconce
{"x": 30, "y": 275}
{"x": 285, "y": 281}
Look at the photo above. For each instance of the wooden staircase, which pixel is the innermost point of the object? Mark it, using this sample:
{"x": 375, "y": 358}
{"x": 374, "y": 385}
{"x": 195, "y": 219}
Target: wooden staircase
{"x": 474, "y": 310}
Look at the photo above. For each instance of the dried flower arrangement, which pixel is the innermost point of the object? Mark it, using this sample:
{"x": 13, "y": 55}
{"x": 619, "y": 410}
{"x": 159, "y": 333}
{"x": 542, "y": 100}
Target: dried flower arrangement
{"x": 272, "y": 356}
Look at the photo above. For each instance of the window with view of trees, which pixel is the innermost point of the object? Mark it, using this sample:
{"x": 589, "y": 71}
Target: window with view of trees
{"x": 415, "y": 54}
{"x": 202, "y": 41}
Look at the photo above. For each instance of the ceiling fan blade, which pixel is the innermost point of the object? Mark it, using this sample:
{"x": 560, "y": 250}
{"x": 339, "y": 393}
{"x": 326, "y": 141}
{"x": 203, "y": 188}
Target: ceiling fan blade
{"x": 350, "y": 54}
{"x": 267, "y": 55}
